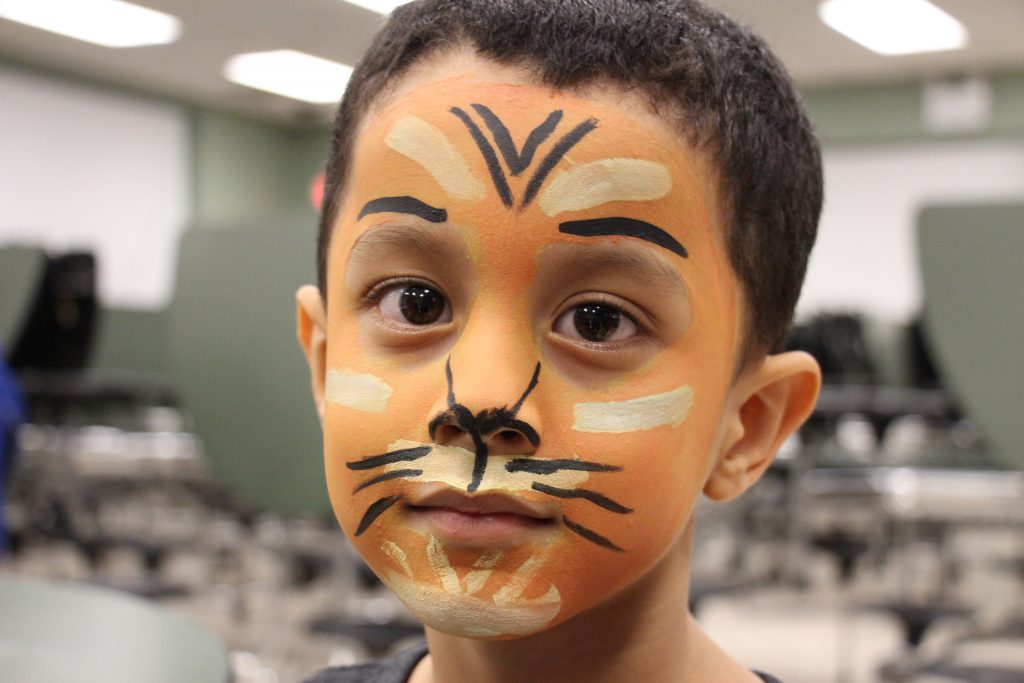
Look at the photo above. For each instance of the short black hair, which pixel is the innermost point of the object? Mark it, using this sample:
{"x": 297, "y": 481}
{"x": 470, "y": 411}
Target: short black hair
{"x": 716, "y": 82}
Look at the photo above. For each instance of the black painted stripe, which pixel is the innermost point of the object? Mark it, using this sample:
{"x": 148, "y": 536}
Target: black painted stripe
{"x": 402, "y": 455}
{"x": 374, "y": 511}
{"x": 479, "y": 463}
{"x": 387, "y": 476}
{"x": 567, "y": 142}
{"x": 627, "y": 227}
{"x": 497, "y": 174}
{"x": 534, "y": 466}
{"x": 517, "y": 161}
{"x": 534, "y": 380}
{"x": 409, "y": 205}
{"x": 592, "y": 496}
{"x": 526, "y": 430}
{"x": 591, "y": 536}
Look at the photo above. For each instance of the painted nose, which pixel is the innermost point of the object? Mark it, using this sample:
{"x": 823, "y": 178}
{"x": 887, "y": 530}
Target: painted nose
{"x": 502, "y": 441}
{"x": 502, "y": 430}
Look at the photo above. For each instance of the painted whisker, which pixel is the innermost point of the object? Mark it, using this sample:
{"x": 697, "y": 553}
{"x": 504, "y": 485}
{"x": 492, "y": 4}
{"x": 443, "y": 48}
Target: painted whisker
{"x": 387, "y": 476}
{"x": 592, "y": 496}
{"x": 375, "y": 510}
{"x": 403, "y": 455}
{"x": 591, "y": 536}
{"x": 535, "y": 466}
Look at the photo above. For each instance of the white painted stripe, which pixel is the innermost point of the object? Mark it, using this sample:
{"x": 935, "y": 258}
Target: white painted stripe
{"x": 442, "y": 567}
{"x": 367, "y": 393}
{"x": 599, "y": 182}
{"x": 430, "y": 148}
{"x": 512, "y": 591}
{"x": 634, "y": 415}
{"x": 453, "y": 466}
{"x": 471, "y": 617}
{"x": 395, "y": 552}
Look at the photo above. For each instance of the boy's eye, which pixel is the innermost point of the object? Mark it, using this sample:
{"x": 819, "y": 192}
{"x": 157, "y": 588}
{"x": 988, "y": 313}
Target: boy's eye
{"x": 415, "y": 304}
{"x": 596, "y": 322}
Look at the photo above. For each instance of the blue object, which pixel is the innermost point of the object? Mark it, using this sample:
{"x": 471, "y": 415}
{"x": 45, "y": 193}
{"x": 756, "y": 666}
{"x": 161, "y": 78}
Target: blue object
{"x": 12, "y": 414}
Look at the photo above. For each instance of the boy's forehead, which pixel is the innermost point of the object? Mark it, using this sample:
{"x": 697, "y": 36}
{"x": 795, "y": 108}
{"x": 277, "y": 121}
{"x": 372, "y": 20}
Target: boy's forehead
{"x": 462, "y": 139}
{"x": 626, "y": 123}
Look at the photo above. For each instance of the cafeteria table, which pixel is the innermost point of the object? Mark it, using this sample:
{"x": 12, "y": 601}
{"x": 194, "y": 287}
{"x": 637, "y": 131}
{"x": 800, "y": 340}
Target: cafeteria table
{"x": 55, "y": 632}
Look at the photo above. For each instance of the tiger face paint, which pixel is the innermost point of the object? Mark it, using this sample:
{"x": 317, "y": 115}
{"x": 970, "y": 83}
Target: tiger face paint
{"x": 531, "y": 331}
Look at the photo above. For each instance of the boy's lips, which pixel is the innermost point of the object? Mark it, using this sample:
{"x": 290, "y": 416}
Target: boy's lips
{"x": 481, "y": 519}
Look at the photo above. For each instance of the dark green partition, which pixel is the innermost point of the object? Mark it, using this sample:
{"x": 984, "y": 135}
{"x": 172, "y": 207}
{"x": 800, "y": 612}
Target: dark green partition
{"x": 237, "y": 364}
{"x": 21, "y": 268}
{"x": 972, "y": 264}
{"x": 133, "y": 340}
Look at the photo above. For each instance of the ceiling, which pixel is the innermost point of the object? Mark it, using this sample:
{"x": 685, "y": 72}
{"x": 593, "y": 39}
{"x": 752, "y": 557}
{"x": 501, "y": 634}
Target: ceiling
{"x": 190, "y": 70}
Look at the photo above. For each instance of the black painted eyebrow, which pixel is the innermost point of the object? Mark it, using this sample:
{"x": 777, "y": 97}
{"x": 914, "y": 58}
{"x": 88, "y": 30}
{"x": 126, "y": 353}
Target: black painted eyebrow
{"x": 628, "y": 227}
{"x": 409, "y": 205}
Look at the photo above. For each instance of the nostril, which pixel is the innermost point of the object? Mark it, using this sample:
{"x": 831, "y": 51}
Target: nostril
{"x": 508, "y": 436}
{"x": 508, "y": 442}
{"x": 448, "y": 434}
{"x": 453, "y": 435}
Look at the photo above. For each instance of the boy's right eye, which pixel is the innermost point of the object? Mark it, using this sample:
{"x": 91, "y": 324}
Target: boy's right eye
{"x": 414, "y": 303}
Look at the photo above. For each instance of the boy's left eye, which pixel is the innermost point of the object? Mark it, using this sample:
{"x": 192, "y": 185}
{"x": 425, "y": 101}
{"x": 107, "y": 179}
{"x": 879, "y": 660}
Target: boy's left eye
{"x": 596, "y": 322}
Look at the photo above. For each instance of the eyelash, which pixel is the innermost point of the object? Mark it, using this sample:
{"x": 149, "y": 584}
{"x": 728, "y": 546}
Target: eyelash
{"x": 374, "y": 294}
{"x": 634, "y": 315}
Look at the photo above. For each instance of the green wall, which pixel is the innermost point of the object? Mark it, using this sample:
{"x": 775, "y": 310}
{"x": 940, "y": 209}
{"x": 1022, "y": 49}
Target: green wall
{"x": 246, "y": 169}
{"x": 891, "y": 112}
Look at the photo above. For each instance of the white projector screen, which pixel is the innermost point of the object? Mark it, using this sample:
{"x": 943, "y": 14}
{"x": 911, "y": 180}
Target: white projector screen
{"x": 85, "y": 168}
{"x": 866, "y": 256}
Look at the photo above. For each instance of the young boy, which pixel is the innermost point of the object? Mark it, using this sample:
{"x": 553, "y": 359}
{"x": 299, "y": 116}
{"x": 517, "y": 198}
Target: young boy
{"x": 560, "y": 245}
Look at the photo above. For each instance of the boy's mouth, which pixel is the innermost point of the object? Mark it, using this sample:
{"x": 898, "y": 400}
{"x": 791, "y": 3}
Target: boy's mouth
{"x": 485, "y": 519}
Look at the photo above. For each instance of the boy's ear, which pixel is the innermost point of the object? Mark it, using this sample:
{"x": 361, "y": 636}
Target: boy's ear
{"x": 767, "y": 404}
{"x": 311, "y": 326}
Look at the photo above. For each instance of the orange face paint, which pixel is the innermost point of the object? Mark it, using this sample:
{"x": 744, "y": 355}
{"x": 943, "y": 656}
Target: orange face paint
{"x": 501, "y": 471}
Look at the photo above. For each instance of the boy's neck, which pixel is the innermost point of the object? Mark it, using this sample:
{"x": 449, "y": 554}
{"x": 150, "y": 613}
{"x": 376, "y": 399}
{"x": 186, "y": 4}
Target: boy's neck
{"x": 645, "y": 633}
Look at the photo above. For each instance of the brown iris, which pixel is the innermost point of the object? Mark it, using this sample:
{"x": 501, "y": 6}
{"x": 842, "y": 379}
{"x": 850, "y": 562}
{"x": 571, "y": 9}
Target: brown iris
{"x": 596, "y": 322}
{"x": 421, "y": 305}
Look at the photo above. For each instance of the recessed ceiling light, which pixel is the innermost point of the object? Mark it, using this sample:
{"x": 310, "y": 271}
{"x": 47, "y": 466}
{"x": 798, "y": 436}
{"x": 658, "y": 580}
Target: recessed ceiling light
{"x": 111, "y": 23}
{"x": 291, "y": 74}
{"x": 894, "y": 27}
{"x": 378, "y": 6}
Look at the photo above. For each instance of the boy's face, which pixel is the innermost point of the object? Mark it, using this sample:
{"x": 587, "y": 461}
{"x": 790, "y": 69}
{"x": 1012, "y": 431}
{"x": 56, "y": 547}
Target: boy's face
{"x": 531, "y": 334}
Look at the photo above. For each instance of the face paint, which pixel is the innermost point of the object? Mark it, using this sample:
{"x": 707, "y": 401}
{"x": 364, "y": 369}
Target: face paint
{"x": 637, "y": 414}
{"x": 362, "y": 392}
{"x": 428, "y": 147}
{"x": 609, "y": 180}
{"x": 520, "y": 474}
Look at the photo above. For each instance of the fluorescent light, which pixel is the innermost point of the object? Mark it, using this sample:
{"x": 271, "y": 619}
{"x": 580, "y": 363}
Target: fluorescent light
{"x": 290, "y": 73}
{"x": 111, "y": 23}
{"x": 378, "y": 6}
{"x": 894, "y": 27}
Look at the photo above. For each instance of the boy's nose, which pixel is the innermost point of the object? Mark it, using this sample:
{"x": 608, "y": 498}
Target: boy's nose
{"x": 490, "y": 404}
{"x": 501, "y": 441}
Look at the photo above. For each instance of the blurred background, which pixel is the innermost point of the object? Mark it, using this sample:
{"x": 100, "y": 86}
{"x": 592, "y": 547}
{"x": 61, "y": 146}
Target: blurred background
{"x": 164, "y": 516}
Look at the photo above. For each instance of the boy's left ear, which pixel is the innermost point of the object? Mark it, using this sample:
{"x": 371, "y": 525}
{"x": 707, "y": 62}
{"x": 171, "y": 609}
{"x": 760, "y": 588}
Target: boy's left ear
{"x": 766, "y": 404}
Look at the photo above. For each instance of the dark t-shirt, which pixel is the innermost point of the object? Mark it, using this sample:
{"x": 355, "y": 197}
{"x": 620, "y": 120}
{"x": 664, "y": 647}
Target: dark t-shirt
{"x": 397, "y": 669}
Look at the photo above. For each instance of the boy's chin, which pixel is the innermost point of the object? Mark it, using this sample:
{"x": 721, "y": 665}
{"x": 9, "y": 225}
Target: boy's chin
{"x": 468, "y": 616}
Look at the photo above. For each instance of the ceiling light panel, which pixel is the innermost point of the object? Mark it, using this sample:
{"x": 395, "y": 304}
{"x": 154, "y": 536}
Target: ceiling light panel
{"x": 291, "y": 74}
{"x": 111, "y": 23}
{"x": 895, "y": 27}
